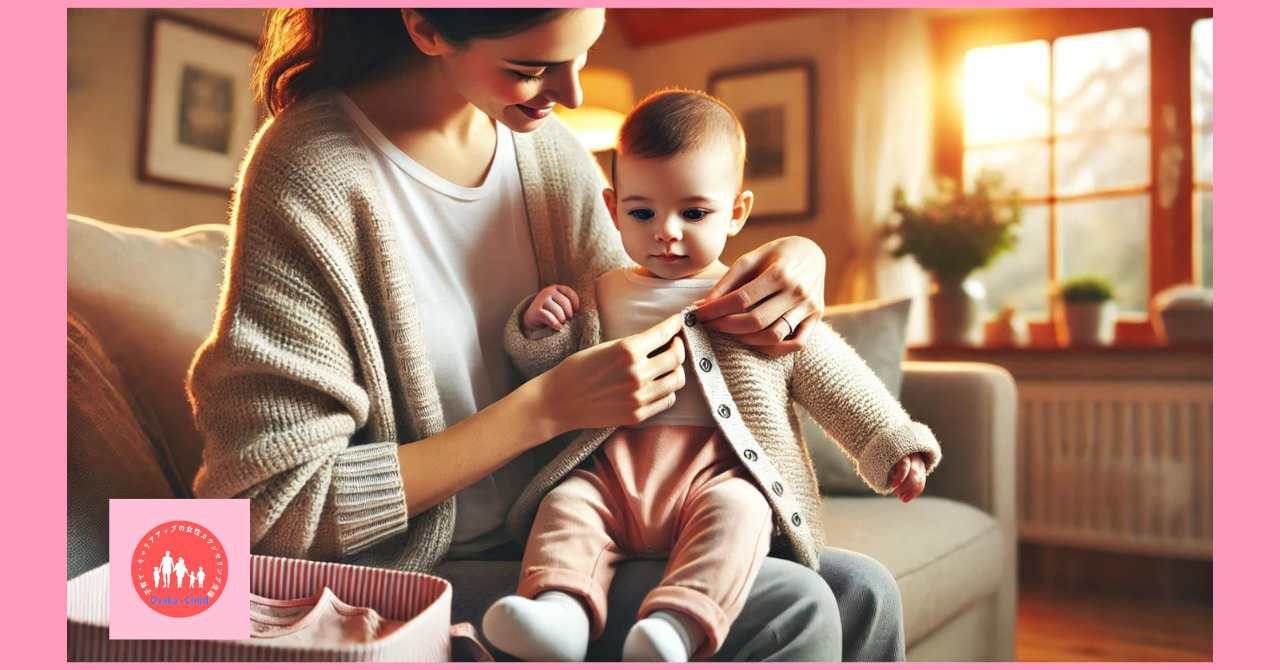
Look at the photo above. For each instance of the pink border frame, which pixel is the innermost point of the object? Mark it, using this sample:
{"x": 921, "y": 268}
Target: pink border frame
{"x": 35, "y": 46}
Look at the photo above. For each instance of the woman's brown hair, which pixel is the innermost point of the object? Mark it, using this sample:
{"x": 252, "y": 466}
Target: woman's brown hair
{"x": 306, "y": 50}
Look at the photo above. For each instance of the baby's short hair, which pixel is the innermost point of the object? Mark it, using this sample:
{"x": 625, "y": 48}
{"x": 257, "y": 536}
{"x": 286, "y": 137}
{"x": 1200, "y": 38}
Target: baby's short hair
{"x": 673, "y": 120}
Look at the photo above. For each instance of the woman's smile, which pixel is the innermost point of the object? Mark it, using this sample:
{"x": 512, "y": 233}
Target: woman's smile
{"x": 536, "y": 112}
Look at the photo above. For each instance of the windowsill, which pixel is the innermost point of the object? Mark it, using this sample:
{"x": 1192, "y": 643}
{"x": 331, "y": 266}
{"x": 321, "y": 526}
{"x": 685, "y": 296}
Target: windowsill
{"x": 1193, "y": 362}
{"x": 932, "y": 350}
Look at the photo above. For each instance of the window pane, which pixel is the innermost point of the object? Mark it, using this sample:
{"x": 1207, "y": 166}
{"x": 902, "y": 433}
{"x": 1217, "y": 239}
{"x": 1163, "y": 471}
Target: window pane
{"x": 1006, "y": 93}
{"x": 1204, "y": 156}
{"x": 1102, "y": 80}
{"x": 1203, "y": 204}
{"x": 1021, "y": 276}
{"x": 1024, "y": 165}
{"x": 1102, "y": 161}
{"x": 1108, "y": 237}
{"x": 1202, "y": 72}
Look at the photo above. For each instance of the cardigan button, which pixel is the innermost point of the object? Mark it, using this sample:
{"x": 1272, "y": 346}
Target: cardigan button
{"x": 690, "y": 320}
{"x": 795, "y": 519}
{"x": 705, "y": 364}
{"x": 777, "y": 488}
{"x": 723, "y": 411}
{"x": 749, "y": 455}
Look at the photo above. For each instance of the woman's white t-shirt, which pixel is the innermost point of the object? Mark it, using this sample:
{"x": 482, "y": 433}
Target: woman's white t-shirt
{"x": 470, "y": 258}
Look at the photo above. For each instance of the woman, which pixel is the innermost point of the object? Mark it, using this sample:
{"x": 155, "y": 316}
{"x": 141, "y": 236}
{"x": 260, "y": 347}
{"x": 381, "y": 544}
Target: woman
{"x": 355, "y": 387}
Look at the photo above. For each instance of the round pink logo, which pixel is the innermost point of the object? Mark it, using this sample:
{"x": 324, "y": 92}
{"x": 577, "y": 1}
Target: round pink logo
{"x": 179, "y": 569}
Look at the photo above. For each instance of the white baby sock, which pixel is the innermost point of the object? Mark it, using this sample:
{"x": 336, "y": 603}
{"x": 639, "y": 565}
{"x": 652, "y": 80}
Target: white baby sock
{"x": 551, "y": 627}
{"x": 663, "y": 636}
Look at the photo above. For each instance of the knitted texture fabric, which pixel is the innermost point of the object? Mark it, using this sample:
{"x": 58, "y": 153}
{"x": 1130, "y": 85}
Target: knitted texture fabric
{"x": 316, "y": 369}
{"x": 827, "y": 378}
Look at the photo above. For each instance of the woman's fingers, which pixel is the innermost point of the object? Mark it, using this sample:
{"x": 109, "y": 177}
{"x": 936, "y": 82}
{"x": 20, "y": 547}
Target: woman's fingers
{"x": 794, "y": 343}
{"x": 739, "y": 273}
{"x": 643, "y": 344}
{"x": 672, "y": 358}
{"x": 739, "y": 300}
{"x": 759, "y": 319}
{"x": 654, "y": 394}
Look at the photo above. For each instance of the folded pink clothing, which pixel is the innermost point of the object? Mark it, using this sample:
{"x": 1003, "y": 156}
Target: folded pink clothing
{"x": 319, "y": 621}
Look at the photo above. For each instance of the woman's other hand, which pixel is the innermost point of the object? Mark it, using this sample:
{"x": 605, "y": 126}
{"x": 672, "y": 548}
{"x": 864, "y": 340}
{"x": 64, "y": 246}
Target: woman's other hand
{"x": 771, "y": 298}
{"x": 617, "y": 383}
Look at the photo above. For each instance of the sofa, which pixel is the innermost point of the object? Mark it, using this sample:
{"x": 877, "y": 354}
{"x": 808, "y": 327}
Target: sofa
{"x": 140, "y": 303}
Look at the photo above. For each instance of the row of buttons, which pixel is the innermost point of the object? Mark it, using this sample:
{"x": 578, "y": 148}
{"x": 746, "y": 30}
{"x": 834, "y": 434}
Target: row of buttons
{"x": 723, "y": 410}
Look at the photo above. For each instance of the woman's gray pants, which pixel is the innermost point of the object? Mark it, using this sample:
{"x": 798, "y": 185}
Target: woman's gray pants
{"x": 851, "y": 610}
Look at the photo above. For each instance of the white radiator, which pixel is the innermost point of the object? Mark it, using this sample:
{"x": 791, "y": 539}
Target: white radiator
{"x": 1120, "y": 466}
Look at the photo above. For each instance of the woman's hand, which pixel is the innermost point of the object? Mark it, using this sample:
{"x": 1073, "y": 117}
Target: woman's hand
{"x": 617, "y": 383}
{"x": 771, "y": 298}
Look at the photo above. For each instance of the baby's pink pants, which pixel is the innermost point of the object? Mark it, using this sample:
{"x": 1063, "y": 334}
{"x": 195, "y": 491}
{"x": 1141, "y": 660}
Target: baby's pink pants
{"x": 676, "y": 491}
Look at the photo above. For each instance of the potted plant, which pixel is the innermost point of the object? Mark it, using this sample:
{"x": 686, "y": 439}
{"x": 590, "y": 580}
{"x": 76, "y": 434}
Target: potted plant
{"x": 951, "y": 235}
{"x": 1085, "y": 312}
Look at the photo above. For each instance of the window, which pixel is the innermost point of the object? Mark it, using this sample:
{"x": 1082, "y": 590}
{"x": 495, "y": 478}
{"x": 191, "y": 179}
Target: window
{"x": 1099, "y": 118}
{"x": 1202, "y": 143}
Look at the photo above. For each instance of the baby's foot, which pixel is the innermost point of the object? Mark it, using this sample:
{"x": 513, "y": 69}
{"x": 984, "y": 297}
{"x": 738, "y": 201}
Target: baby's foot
{"x": 551, "y": 627}
{"x": 662, "y": 636}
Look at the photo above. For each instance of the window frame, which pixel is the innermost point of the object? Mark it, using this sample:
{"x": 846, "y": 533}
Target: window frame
{"x": 1172, "y": 244}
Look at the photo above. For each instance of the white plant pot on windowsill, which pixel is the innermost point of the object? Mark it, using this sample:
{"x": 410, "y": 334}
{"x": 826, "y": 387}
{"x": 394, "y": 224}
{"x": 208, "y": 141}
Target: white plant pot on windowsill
{"x": 1086, "y": 323}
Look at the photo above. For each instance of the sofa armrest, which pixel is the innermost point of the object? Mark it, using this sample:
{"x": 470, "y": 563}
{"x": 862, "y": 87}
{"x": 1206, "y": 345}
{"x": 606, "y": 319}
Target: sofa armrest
{"x": 972, "y": 408}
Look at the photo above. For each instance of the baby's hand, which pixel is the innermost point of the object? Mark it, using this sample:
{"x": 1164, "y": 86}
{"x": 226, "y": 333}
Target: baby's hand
{"x": 552, "y": 308}
{"x": 908, "y": 476}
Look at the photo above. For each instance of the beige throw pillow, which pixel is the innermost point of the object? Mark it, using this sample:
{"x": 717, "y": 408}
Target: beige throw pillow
{"x": 151, "y": 299}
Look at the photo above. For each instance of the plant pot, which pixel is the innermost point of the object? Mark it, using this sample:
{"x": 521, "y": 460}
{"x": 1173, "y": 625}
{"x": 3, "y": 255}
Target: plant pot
{"x": 957, "y": 309}
{"x": 1089, "y": 324}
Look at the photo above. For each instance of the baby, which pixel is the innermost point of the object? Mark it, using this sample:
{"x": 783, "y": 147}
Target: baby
{"x": 714, "y": 482}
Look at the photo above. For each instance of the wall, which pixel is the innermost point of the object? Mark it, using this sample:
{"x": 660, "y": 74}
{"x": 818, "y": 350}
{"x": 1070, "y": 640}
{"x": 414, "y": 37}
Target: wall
{"x": 689, "y": 62}
{"x": 105, "y": 71}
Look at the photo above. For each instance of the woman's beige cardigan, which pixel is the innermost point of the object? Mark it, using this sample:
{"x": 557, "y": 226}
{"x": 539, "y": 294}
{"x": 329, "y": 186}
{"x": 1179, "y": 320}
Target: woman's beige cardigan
{"x": 316, "y": 370}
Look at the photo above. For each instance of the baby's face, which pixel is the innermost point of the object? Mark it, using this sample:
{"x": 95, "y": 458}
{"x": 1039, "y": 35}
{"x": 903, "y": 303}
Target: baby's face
{"x": 675, "y": 213}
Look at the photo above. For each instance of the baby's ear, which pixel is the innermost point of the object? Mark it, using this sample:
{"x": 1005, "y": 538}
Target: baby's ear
{"x": 611, "y": 202}
{"x": 741, "y": 210}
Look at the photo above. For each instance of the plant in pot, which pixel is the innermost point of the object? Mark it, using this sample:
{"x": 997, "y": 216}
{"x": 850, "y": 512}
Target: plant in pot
{"x": 950, "y": 235}
{"x": 1085, "y": 312}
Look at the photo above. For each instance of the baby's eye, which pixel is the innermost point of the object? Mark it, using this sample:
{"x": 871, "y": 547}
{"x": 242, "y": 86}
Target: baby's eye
{"x": 641, "y": 214}
{"x": 694, "y": 214}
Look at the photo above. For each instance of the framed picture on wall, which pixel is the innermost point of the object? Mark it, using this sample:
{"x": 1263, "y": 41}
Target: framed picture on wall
{"x": 199, "y": 112}
{"x": 775, "y": 104}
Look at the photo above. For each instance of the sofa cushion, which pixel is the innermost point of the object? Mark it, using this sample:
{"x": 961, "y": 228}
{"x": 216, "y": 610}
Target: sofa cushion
{"x": 877, "y": 330}
{"x": 946, "y": 555}
{"x": 151, "y": 299}
{"x": 111, "y": 448}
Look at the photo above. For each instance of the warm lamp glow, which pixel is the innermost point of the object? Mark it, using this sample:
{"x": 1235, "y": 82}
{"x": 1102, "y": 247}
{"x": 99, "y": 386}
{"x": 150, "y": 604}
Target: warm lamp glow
{"x": 607, "y": 97}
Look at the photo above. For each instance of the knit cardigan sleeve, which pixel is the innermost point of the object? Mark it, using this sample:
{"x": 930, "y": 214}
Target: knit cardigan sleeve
{"x": 853, "y": 406}
{"x": 276, "y": 390}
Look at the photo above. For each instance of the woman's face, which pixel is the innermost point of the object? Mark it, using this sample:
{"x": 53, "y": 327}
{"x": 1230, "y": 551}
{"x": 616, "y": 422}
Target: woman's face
{"x": 518, "y": 80}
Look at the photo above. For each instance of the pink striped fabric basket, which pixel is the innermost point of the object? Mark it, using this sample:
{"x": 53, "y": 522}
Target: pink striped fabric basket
{"x": 422, "y": 601}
